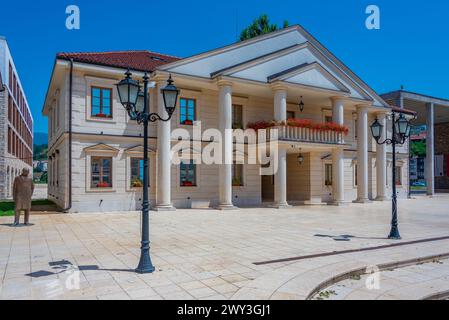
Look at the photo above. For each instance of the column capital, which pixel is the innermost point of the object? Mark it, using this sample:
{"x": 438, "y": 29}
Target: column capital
{"x": 224, "y": 83}
{"x": 278, "y": 87}
{"x": 341, "y": 98}
{"x": 363, "y": 106}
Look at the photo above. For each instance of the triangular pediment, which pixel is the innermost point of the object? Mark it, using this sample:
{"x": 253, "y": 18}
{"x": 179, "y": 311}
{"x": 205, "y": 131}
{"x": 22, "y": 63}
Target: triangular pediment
{"x": 138, "y": 150}
{"x": 310, "y": 74}
{"x": 259, "y": 58}
{"x": 101, "y": 148}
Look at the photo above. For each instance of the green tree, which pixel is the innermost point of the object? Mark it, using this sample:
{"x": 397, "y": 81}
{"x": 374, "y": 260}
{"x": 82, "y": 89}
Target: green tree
{"x": 418, "y": 148}
{"x": 260, "y": 26}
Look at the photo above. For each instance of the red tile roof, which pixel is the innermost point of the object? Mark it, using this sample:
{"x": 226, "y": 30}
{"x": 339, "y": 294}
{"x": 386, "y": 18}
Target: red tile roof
{"x": 139, "y": 60}
{"x": 403, "y": 110}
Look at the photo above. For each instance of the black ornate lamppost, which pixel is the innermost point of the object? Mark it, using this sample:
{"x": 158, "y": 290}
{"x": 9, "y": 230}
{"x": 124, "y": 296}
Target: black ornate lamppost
{"x": 135, "y": 101}
{"x": 400, "y": 134}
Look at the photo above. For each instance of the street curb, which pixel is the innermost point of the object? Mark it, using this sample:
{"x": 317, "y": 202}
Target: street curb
{"x": 381, "y": 267}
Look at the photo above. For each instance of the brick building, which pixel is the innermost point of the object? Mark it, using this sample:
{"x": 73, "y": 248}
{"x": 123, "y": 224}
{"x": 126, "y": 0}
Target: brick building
{"x": 16, "y": 124}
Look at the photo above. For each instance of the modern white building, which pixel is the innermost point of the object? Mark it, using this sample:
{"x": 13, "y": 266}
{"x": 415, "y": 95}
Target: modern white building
{"x": 433, "y": 113}
{"x": 95, "y": 149}
{"x": 16, "y": 124}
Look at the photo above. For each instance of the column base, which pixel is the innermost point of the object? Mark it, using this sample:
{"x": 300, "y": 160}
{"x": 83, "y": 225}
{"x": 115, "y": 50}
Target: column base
{"x": 281, "y": 206}
{"x": 380, "y": 199}
{"x": 162, "y": 208}
{"x": 362, "y": 201}
{"x": 339, "y": 203}
{"x": 226, "y": 207}
{"x": 314, "y": 203}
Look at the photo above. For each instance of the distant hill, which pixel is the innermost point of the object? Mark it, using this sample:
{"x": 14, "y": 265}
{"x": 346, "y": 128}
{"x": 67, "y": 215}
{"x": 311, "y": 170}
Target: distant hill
{"x": 40, "y": 138}
{"x": 40, "y": 146}
{"x": 40, "y": 152}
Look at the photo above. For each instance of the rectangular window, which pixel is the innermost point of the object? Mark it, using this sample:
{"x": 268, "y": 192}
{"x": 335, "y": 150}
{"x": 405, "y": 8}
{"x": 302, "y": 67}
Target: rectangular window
{"x": 9, "y": 140}
{"x": 187, "y": 110}
{"x": 355, "y": 176}
{"x": 328, "y": 119}
{"x": 101, "y": 102}
{"x": 101, "y": 172}
{"x": 328, "y": 174}
{"x": 136, "y": 173}
{"x": 10, "y": 77}
{"x": 355, "y": 128}
{"x": 237, "y": 117}
{"x": 398, "y": 171}
{"x": 290, "y": 115}
{"x": 188, "y": 174}
{"x": 237, "y": 175}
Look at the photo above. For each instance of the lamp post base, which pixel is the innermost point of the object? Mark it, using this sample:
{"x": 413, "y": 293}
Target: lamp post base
{"x": 394, "y": 234}
{"x": 145, "y": 264}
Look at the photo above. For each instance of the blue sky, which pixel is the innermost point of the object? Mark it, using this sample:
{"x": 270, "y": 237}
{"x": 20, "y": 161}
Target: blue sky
{"x": 410, "y": 48}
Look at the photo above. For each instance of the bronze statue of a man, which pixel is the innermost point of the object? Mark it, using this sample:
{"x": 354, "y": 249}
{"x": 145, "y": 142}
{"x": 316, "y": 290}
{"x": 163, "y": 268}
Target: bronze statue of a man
{"x": 23, "y": 189}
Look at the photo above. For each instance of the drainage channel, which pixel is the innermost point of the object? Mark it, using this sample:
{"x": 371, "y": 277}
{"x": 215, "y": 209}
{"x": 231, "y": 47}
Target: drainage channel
{"x": 333, "y": 253}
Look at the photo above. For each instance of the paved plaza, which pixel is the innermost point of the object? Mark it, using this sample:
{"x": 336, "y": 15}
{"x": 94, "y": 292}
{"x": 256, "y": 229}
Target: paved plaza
{"x": 208, "y": 254}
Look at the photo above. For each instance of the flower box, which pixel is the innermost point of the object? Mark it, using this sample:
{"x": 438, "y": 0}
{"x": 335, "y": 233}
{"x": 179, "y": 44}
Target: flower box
{"x": 187, "y": 122}
{"x": 102, "y": 115}
{"x": 103, "y": 185}
{"x": 187, "y": 184}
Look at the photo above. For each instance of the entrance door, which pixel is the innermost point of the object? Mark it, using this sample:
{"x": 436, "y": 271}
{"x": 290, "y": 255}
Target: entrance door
{"x": 267, "y": 188}
{"x": 327, "y": 181}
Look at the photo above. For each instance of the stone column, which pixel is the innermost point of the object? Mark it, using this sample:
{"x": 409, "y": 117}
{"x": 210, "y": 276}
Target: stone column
{"x": 430, "y": 150}
{"x": 381, "y": 162}
{"x": 338, "y": 158}
{"x": 225, "y": 126}
{"x": 163, "y": 202}
{"x": 280, "y": 178}
{"x": 362, "y": 154}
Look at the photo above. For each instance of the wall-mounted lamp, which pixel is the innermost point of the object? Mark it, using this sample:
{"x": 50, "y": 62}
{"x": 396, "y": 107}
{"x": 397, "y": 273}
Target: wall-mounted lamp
{"x": 301, "y": 105}
{"x": 300, "y": 159}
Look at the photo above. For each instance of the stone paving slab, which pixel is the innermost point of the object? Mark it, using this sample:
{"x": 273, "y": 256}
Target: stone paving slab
{"x": 202, "y": 254}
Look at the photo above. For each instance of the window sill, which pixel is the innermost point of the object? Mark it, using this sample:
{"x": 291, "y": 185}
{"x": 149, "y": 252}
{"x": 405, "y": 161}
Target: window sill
{"x": 136, "y": 189}
{"x": 100, "y": 119}
{"x": 188, "y": 187}
{"x": 101, "y": 190}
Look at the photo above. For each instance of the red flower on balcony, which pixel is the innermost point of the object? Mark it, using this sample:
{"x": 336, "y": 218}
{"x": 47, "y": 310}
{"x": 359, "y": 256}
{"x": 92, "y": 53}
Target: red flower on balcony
{"x": 259, "y": 125}
{"x": 300, "y": 123}
{"x": 187, "y": 184}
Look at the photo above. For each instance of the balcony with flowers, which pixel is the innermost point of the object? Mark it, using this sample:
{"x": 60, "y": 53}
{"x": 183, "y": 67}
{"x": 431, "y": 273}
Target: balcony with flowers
{"x": 303, "y": 130}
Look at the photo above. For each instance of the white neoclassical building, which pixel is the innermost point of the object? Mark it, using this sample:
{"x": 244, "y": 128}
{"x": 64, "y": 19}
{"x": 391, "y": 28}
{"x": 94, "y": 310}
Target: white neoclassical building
{"x": 326, "y": 154}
